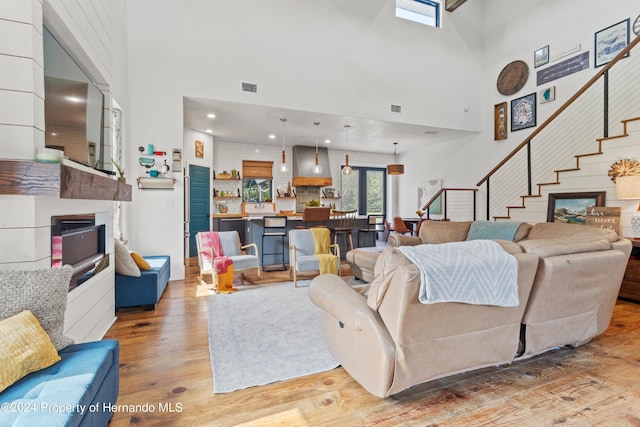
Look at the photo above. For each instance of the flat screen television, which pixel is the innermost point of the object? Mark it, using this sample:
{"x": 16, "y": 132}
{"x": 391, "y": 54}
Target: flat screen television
{"x": 73, "y": 107}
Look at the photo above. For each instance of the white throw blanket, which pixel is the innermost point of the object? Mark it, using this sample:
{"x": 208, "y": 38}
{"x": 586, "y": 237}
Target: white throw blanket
{"x": 472, "y": 272}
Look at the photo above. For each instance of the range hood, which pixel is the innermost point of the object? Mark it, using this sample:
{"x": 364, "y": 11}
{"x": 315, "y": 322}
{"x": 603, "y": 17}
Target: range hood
{"x": 304, "y": 160}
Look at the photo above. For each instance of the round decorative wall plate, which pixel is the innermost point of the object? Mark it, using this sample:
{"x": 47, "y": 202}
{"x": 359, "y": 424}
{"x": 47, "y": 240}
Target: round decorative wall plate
{"x": 513, "y": 77}
{"x": 636, "y": 26}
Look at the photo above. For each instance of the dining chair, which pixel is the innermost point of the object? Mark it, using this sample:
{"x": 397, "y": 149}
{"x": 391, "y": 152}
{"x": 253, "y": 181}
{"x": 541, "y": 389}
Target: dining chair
{"x": 400, "y": 226}
{"x": 388, "y": 229}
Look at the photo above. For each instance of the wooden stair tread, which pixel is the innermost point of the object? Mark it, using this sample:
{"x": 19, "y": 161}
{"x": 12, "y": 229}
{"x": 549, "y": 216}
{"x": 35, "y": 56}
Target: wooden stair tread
{"x": 624, "y": 135}
{"x": 588, "y": 154}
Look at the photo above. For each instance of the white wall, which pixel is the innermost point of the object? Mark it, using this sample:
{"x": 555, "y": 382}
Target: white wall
{"x": 513, "y": 31}
{"x": 343, "y": 57}
{"x": 95, "y": 36}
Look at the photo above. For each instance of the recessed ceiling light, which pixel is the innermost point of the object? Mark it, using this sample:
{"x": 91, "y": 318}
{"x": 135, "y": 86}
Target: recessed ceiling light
{"x": 327, "y": 141}
{"x": 209, "y": 131}
{"x": 211, "y": 116}
{"x": 257, "y": 151}
{"x": 74, "y": 99}
{"x": 272, "y": 136}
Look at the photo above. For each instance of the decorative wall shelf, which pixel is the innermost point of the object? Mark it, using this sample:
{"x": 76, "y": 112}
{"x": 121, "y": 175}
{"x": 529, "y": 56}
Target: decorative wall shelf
{"x": 226, "y": 197}
{"x": 29, "y": 178}
{"x": 227, "y": 179}
{"x": 145, "y": 183}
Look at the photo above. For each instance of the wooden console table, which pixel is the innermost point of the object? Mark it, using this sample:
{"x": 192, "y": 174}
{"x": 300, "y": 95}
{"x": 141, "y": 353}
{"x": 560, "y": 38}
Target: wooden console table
{"x": 630, "y": 288}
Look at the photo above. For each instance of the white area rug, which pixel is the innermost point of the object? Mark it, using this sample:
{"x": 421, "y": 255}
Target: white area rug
{"x": 263, "y": 334}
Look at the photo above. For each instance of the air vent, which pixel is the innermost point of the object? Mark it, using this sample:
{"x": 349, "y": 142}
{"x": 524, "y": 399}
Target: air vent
{"x": 396, "y": 109}
{"x": 249, "y": 87}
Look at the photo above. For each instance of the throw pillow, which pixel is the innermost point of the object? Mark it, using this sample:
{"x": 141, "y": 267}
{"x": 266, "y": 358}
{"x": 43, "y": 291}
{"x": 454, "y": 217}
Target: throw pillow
{"x": 124, "y": 262}
{"x": 24, "y": 348}
{"x": 140, "y": 261}
{"x": 44, "y": 293}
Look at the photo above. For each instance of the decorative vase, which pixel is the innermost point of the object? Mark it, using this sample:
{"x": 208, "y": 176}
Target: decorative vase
{"x": 635, "y": 224}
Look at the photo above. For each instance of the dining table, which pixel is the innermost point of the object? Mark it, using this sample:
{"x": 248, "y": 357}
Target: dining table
{"x": 412, "y": 224}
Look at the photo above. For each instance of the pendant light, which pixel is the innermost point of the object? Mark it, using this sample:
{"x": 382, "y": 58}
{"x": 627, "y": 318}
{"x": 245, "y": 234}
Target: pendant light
{"x": 283, "y": 166}
{"x": 317, "y": 169}
{"x": 395, "y": 168}
{"x": 346, "y": 170}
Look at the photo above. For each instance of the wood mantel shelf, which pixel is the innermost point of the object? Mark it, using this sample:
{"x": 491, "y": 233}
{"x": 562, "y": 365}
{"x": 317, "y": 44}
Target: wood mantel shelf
{"x": 29, "y": 178}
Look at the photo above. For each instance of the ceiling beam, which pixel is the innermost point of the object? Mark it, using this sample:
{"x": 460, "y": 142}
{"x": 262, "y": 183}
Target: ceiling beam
{"x": 452, "y": 5}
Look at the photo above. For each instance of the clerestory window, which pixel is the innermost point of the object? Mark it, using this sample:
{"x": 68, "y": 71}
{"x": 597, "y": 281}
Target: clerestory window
{"x": 427, "y": 12}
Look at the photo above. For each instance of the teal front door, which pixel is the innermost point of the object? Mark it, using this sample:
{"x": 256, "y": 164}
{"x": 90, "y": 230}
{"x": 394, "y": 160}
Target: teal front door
{"x": 199, "y": 204}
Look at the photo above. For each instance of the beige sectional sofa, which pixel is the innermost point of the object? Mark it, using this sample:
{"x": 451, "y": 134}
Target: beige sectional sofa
{"x": 568, "y": 281}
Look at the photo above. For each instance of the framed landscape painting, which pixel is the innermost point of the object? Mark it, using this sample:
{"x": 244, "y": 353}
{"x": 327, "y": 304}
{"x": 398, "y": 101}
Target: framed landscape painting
{"x": 572, "y": 207}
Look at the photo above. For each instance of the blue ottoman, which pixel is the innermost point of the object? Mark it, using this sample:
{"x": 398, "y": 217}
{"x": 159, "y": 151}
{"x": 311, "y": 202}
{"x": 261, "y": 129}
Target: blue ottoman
{"x": 147, "y": 289}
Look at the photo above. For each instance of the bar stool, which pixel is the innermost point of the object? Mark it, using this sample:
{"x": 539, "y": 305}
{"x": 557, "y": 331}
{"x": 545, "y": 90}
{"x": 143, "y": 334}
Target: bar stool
{"x": 375, "y": 224}
{"x": 343, "y": 222}
{"x": 315, "y": 217}
{"x": 274, "y": 226}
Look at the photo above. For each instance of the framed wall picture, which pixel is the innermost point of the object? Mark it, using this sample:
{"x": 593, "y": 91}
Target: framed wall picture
{"x": 541, "y": 56}
{"x": 199, "y": 149}
{"x": 500, "y": 121}
{"x": 547, "y": 94}
{"x": 426, "y": 190}
{"x": 608, "y": 42}
{"x": 523, "y": 112}
{"x": 572, "y": 207}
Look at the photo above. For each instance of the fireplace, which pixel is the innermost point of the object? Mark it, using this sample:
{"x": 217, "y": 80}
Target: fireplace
{"x": 78, "y": 241}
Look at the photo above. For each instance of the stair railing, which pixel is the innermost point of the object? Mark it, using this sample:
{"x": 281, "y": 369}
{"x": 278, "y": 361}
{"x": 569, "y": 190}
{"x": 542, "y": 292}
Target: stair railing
{"x": 584, "y": 127}
{"x": 443, "y": 192}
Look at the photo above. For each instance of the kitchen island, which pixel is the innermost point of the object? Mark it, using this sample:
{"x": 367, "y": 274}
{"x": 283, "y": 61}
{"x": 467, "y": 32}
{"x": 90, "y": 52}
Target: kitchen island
{"x": 251, "y": 227}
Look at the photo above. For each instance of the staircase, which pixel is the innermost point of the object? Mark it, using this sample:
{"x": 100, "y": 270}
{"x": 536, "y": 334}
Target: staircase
{"x": 589, "y": 174}
{"x": 601, "y": 122}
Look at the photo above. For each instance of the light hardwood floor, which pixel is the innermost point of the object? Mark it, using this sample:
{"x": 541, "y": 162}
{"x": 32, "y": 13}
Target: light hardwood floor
{"x": 164, "y": 363}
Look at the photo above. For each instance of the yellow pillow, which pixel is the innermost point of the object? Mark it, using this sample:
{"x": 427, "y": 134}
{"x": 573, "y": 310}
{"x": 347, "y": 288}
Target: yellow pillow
{"x": 24, "y": 348}
{"x": 140, "y": 262}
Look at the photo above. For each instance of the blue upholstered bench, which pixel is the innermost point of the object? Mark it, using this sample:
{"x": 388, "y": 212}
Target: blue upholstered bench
{"x": 79, "y": 390}
{"x": 147, "y": 289}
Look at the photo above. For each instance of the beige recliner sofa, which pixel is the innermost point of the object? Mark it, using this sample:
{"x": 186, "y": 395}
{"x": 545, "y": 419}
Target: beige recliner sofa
{"x": 568, "y": 280}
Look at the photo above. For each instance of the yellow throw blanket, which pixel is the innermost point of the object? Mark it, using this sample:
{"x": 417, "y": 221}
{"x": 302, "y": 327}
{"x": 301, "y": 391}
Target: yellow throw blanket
{"x": 328, "y": 262}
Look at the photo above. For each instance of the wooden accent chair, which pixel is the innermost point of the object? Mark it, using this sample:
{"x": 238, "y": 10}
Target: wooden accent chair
{"x": 231, "y": 247}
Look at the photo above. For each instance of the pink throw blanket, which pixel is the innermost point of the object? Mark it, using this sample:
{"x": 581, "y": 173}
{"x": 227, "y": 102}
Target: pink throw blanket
{"x": 210, "y": 239}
